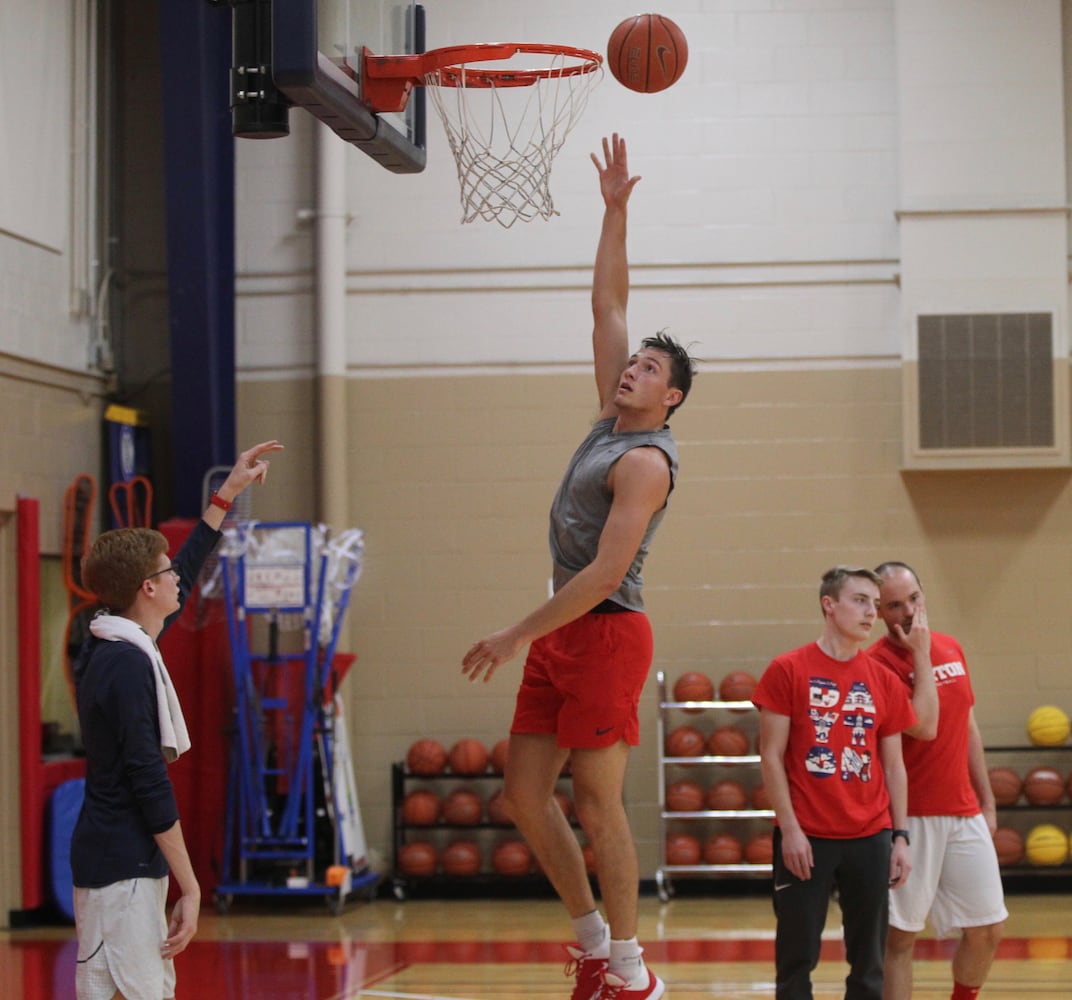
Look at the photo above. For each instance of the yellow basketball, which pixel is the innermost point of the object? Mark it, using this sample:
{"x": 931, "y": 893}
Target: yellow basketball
{"x": 1047, "y": 845}
{"x": 1048, "y": 726}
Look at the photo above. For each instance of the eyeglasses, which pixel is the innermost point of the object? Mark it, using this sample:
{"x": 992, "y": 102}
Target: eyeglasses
{"x": 167, "y": 569}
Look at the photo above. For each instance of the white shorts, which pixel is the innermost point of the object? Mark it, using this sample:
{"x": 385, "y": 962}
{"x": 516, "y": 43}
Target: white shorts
{"x": 955, "y": 877}
{"x": 120, "y": 930}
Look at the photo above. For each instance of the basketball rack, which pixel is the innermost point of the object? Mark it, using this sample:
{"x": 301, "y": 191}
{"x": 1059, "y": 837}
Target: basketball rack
{"x": 293, "y": 825}
{"x": 504, "y": 141}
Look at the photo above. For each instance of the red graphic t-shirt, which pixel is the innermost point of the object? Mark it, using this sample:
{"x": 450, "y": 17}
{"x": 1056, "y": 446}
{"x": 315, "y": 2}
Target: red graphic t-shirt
{"x": 939, "y": 783}
{"x": 840, "y": 710}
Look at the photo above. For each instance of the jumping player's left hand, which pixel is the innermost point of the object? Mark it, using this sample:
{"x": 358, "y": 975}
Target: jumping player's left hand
{"x": 900, "y": 864}
{"x": 488, "y": 654}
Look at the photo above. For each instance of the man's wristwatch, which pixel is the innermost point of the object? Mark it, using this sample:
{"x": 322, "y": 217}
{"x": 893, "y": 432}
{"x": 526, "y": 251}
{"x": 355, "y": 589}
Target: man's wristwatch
{"x": 894, "y": 834}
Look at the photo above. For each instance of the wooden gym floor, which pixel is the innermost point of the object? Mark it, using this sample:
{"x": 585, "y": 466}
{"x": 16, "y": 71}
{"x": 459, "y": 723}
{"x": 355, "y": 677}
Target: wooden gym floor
{"x": 708, "y": 946}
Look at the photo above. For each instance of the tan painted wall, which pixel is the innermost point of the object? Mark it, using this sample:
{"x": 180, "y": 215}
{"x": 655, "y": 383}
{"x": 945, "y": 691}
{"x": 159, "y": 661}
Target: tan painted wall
{"x": 783, "y": 475}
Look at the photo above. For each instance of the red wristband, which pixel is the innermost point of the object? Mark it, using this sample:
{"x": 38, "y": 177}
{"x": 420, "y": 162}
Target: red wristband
{"x": 217, "y": 501}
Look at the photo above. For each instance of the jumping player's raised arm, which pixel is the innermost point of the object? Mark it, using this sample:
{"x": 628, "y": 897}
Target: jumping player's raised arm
{"x": 610, "y": 279}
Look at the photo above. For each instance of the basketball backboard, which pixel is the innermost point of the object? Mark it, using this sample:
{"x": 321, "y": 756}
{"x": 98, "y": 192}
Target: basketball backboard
{"x": 317, "y": 48}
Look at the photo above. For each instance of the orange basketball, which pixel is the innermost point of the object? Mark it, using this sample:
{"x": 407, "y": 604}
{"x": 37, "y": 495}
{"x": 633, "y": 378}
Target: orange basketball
{"x": 418, "y": 857}
{"x": 1044, "y": 786}
{"x": 498, "y": 756}
{"x": 722, "y": 849}
{"x": 468, "y": 756}
{"x": 684, "y": 796}
{"x": 685, "y": 741}
{"x": 463, "y": 807}
{"x": 760, "y": 849}
{"x": 421, "y": 808}
{"x": 589, "y": 854}
{"x": 694, "y": 686}
{"x": 1009, "y": 844}
{"x": 1006, "y": 785}
{"x": 511, "y": 857}
{"x": 426, "y": 756}
{"x": 683, "y": 849}
{"x": 496, "y": 812}
{"x": 728, "y": 741}
{"x": 461, "y": 857}
{"x": 647, "y": 53}
{"x": 726, "y": 794}
{"x": 737, "y": 685}
{"x": 760, "y": 798}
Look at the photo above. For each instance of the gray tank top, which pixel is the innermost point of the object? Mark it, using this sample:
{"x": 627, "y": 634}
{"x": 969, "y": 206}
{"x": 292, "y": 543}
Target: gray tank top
{"x": 582, "y": 504}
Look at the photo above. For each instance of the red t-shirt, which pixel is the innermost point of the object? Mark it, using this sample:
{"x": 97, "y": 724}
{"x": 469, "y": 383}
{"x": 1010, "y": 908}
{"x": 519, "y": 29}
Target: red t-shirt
{"x": 839, "y": 712}
{"x": 939, "y": 783}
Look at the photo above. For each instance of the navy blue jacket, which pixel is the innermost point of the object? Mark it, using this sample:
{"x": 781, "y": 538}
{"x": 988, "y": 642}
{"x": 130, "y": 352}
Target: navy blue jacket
{"x": 129, "y": 797}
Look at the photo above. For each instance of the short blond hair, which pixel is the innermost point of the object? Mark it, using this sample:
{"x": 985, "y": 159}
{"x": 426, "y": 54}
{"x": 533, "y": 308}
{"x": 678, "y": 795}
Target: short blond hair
{"x": 835, "y": 578}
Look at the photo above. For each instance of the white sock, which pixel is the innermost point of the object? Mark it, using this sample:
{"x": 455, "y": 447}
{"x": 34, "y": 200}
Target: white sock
{"x": 626, "y": 961}
{"x": 592, "y": 934}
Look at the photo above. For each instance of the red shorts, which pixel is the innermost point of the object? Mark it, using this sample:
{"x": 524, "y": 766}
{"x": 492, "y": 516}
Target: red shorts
{"x": 582, "y": 682}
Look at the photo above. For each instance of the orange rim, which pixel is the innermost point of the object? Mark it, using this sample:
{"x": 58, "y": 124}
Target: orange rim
{"x": 388, "y": 80}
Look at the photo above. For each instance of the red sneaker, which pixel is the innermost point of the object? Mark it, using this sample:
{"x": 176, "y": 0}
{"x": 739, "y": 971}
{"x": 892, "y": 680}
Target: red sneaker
{"x": 616, "y": 988}
{"x": 588, "y": 971}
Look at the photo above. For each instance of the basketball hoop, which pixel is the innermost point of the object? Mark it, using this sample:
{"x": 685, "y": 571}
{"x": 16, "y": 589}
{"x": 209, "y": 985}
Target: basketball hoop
{"x": 504, "y": 142}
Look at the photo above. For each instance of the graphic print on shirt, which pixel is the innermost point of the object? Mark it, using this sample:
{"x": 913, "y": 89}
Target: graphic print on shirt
{"x": 823, "y": 695}
{"x": 855, "y": 764}
{"x": 857, "y": 714}
{"x": 859, "y": 723}
{"x": 822, "y": 722}
{"x": 946, "y": 673}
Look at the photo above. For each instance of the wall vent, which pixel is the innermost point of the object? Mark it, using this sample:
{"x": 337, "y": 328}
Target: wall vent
{"x": 986, "y": 391}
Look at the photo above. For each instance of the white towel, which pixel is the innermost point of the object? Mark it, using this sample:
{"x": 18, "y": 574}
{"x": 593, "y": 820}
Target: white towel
{"x": 174, "y": 737}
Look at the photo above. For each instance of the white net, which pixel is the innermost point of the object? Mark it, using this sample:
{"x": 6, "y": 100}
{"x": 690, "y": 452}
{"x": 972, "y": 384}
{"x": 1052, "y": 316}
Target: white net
{"x": 505, "y": 137}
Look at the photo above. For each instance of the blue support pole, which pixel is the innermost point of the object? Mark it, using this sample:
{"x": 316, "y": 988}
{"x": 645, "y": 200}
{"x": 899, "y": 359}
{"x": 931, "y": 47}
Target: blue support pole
{"x": 199, "y": 175}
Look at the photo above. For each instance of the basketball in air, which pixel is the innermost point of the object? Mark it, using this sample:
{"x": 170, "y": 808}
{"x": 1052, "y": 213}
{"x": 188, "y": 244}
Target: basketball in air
{"x": 1006, "y": 785}
{"x": 468, "y": 756}
{"x": 1047, "y": 845}
{"x": 426, "y": 756}
{"x": 1009, "y": 845}
{"x": 694, "y": 686}
{"x": 647, "y": 53}
{"x": 1048, "y": 726}
{"x": 1044, "y": 786}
